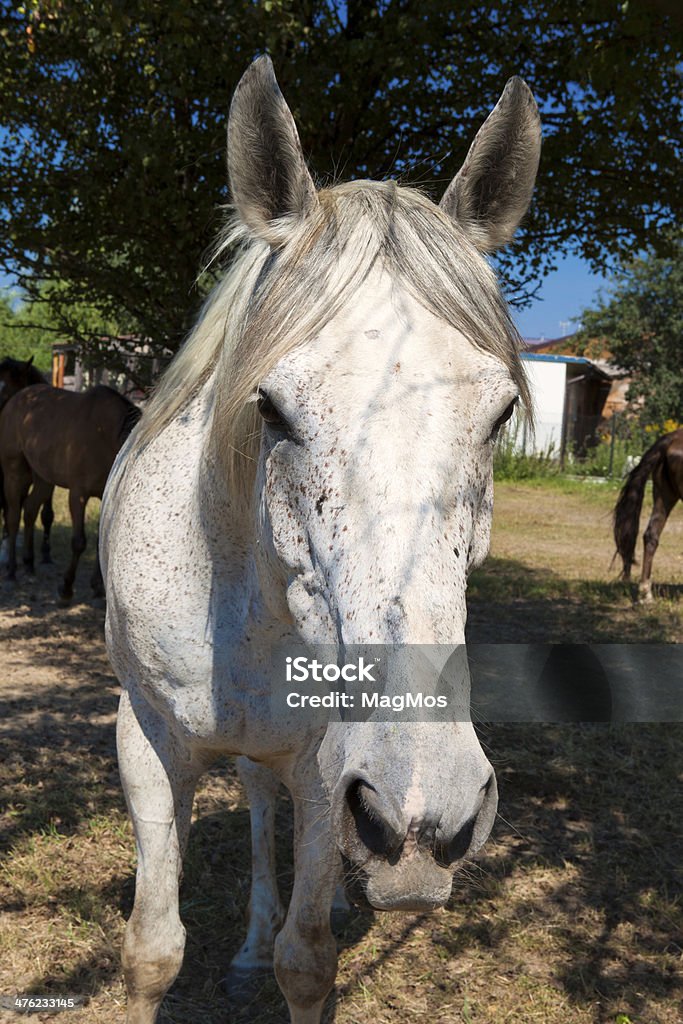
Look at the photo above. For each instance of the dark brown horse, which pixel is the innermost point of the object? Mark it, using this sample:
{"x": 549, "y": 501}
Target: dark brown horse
{"x": 50, "y": 437}
{"x": 15, "y": 375}
{"x": 664, "y": 463}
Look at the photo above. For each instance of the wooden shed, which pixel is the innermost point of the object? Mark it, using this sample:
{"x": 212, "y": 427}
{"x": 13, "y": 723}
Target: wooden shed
{"x": 71, "y": 370}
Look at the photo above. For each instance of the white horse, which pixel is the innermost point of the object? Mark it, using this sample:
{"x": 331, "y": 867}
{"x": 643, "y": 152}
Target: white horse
{"x": 316, "y": 467}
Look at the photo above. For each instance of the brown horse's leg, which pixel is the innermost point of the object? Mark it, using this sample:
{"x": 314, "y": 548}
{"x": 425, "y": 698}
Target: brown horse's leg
{"x": 17, "y": 480}
{"x": 39, "y": 493}
{"x": 77, "y": 506}
{"x": 47, "y": 517}
{"x": 3, "y": 504}
{"x": 664, "y": 500}
{"x": 96, "y": 581}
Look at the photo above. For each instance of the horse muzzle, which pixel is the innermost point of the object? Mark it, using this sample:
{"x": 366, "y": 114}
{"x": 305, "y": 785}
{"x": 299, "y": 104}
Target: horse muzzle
{"x": 392, "y": 864}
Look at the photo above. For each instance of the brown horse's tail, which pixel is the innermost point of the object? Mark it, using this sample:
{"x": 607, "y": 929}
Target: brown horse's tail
{"x": 630, "y": 502}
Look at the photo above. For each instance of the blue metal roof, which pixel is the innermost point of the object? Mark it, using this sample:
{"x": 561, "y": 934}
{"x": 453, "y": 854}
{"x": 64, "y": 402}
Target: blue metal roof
{"x": 541, "y": 357}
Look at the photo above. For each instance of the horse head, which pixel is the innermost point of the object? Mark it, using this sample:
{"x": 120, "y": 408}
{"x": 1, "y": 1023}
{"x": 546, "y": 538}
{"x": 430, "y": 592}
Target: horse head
{"x": 16, "y": 374}
{"x": 375, "y": 416}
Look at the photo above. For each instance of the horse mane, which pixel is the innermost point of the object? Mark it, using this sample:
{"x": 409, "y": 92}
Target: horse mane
{"x": 271, "y": 301}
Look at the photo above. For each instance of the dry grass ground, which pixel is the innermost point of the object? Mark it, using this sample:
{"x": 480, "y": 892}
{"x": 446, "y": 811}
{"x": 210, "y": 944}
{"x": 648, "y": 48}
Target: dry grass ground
{"x": 550, "y": 576}
{"x": 571, "y": 916}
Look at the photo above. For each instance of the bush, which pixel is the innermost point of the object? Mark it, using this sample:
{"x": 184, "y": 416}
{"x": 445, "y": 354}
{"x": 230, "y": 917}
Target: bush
{"x": 601, "y": 460}
{"x": 511, "y": 463}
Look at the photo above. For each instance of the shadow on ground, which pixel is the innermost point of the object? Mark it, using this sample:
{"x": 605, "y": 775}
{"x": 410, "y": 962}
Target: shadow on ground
{"x": 581, "y": 891}
{"x": 509, "y": 602}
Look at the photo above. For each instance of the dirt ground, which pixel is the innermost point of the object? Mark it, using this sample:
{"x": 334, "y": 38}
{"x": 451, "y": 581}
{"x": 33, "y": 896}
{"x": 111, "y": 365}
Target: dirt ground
{"x": 571, "y": 914}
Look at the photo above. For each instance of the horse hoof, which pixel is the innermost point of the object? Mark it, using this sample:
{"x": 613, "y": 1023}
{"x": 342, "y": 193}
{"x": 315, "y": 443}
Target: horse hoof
{"x": 244, "y": 984}
{"x": 63, "y": 598}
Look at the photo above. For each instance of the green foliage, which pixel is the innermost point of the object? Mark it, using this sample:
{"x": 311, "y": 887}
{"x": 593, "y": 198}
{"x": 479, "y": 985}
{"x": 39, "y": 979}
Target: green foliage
{"x": 511, "y": 463}
{"x": 603, "y": 460}
{"x": 21, "y": 341}
{"x": 112, "y": 127}
{"x": 641, "y": 322}
{"x": 31, "y": 326}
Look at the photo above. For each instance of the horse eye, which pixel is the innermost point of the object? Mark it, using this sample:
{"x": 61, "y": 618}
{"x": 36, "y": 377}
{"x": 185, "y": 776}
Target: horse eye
{"x": 269, "y": 411}
{"x": 503, "y": 418}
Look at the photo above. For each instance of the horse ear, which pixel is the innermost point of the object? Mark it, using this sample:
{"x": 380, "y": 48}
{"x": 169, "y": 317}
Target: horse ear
{"x": 29, "y": 362}
{"x": 492, "y": 190}
{"x": 268, "y": 176}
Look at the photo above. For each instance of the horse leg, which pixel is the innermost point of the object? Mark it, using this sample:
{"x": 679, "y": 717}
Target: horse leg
{"x": 3, "y": 516}
{"x": 96, "y": 581}
{"x": 305, "y": 949}
{"x": 47, "y": 518}
{"x": 266, "y": 912}
{"x": 159, "y": 780}
{"x": 39, "y": 493}
{"x": 17, "y": 480}
{"x": 664, "y": 500}
{"x": 77, "y": 505}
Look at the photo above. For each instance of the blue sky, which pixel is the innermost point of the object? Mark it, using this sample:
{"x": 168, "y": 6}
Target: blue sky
{"x": 563, "y": 295}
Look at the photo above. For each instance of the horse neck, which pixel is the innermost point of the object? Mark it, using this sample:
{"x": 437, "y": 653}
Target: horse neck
{"x": 225, "y": 521}
{"x": 228, "y": 535}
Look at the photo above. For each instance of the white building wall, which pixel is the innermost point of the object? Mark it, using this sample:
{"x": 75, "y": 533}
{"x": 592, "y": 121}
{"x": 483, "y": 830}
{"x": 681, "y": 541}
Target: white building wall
{"x": 547, "y": 382}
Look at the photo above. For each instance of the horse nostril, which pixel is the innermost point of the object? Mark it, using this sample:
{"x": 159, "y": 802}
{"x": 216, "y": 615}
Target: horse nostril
{"x": 474, "y": 832}
{"x": 457, "y": 847}
{"x": 373, "y": 820}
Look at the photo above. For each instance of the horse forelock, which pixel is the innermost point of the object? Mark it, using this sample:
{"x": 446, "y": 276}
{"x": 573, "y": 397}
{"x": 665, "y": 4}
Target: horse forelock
{"x": 272, "y": 301}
